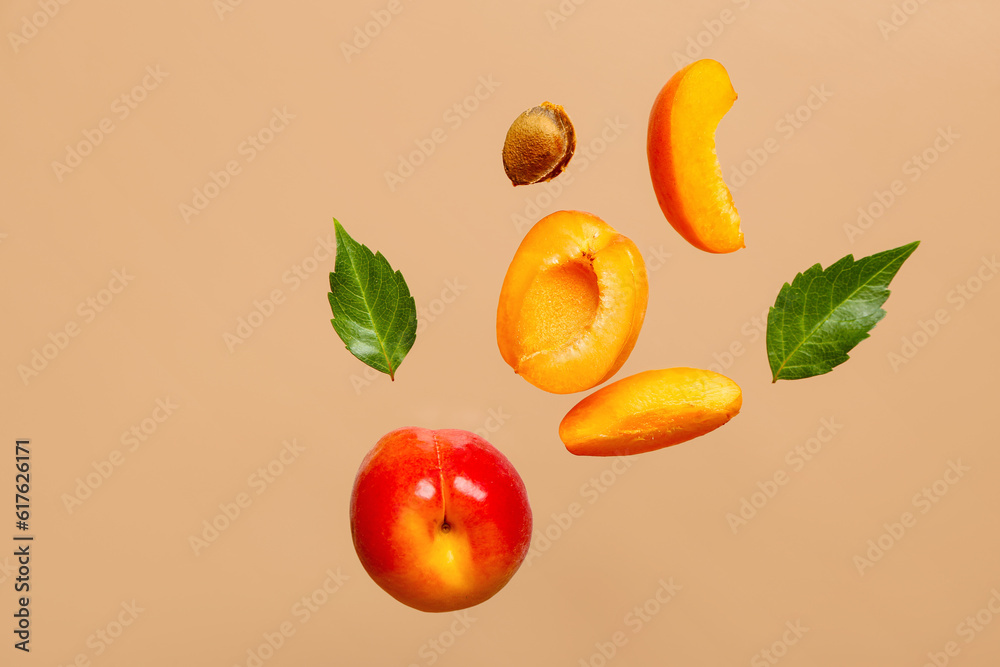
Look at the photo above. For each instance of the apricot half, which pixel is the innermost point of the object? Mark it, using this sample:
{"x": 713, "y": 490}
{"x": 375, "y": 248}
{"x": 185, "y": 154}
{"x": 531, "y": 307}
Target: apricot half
{"x": 650, "y": 410}
{"x": 683, "y": 164}
{"x": 572, "y": 303}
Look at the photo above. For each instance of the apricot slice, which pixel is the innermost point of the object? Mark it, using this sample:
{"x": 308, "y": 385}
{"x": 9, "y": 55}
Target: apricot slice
{"x": 650, "y": 410}
{"x": 685, "y": 170}
{"x": 572, "y": 303}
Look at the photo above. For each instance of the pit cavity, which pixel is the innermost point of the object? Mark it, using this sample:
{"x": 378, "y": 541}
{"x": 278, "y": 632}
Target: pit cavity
{"x": 559, "y": 306}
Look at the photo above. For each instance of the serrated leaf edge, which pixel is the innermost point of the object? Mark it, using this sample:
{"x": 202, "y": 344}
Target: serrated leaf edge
{"x": 351, "y": 245}
{"x": 849, "y": 258}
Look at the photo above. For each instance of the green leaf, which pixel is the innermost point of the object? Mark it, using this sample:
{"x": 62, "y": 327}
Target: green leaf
{"x": 823, "y": 314}
{"x": 373, "y": 312}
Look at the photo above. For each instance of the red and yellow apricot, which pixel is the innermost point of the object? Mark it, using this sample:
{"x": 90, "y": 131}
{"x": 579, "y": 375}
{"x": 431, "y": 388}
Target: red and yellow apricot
{"x": 683, "y": 163}
{"x": 572, "y": 303}
{"x": 440, "y": 518}
{"x": 650, "y": 410}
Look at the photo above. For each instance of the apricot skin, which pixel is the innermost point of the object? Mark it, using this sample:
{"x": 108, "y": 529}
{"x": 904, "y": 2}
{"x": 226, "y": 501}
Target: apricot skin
{"x": 683, "y": 165}
{"x": 572, "y": 303}
{"x": 649, "y": 411}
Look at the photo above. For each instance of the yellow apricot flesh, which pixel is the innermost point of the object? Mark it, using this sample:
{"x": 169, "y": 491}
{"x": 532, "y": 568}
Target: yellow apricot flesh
{"x": 572, "y": 303}
{"x": 649, "y": 411}
{"x": 683, "y": 164}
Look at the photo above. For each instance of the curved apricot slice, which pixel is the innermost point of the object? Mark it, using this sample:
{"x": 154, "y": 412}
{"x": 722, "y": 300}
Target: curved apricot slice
{"x": 572, "y": 303}
{"x": 683, "y": 164}
{"x": 650, "y": 410}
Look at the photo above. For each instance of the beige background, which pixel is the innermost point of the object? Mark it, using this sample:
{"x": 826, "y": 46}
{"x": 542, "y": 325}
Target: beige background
{"x": 452, "y": 227}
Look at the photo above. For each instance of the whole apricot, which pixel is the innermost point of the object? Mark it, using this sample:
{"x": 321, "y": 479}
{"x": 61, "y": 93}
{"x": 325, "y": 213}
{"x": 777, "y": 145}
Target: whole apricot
{"x": 440, "y": 518}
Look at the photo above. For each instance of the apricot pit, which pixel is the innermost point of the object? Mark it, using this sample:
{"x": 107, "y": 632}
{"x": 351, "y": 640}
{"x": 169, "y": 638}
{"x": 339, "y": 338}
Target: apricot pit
{"x": 539, "y": 145}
